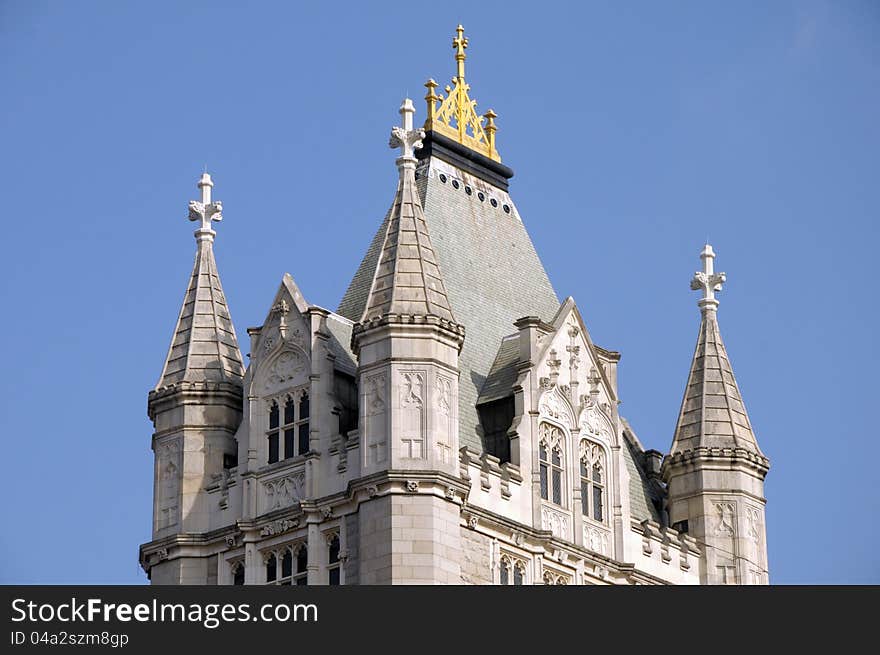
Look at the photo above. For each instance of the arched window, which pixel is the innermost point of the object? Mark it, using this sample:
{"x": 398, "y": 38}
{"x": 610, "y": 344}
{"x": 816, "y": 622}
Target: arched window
{"x": 511, "y": 571}
{"x": 592, "y": 467}
{"x": 550, "y": 462}
{"x": 519, "y": 573}
{"x": 333, "y": 562}
{"x": 238, "y": 573}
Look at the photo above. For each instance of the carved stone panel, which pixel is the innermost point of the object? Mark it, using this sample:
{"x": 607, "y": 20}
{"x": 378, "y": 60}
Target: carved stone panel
{"x": 724, "y": 519}
{"x": 444, "y": 419}
{"x": 375, "y": 437}
{"x": 596, "y": 539}
{"x": 412, "y": 414}
{"x": 556, "y": 522}
{"x": 288, "y": 369}
{"x": 283, "y": 491}
{"x": 168, "y": 485}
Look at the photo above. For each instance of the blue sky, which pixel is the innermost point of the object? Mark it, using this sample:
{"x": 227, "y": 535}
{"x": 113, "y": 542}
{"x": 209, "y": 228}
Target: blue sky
{"x": 636, "y": 130}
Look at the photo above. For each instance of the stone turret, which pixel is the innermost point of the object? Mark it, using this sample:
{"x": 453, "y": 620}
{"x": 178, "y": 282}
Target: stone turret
{"x": 408, "y": 343}
{"x": 715, "y": 470}
{"x": 196, "y": 405}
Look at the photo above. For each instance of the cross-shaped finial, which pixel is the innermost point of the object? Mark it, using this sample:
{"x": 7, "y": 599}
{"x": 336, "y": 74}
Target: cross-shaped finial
{"x": 205, "y": 211}
{"x": 405, "y": 137}
{"x": 460, "y": 42}
{"x": 707, "y": 280}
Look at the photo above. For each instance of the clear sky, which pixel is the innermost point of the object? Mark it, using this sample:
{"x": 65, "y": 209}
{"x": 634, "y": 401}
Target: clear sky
{"x": 636, "y": 130}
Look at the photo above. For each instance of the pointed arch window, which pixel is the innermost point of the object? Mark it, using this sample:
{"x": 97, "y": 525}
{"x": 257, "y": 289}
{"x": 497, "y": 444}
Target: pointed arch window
{"x": 593, "y": 480}
{"x": 238, "y": 573}
{"x": 288, "y": 566}
{"x": 511, "y": 571}
{"x": 333, "y": 561}
{"x": 550, "y": 463}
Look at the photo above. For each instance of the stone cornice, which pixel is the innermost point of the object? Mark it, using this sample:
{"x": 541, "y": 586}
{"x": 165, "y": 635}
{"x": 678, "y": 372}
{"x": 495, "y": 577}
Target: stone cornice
{"x": 714, "y": 457}
{"x": 194, "y": 393}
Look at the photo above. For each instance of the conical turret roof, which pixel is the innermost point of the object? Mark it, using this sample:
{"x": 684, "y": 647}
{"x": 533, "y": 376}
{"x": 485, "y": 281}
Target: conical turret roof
{"x": 712, "y": 412}
{"x": 204, "y": 346}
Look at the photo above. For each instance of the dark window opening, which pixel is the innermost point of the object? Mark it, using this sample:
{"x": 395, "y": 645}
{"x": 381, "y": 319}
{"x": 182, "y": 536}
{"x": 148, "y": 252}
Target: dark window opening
{"x": 495, "y": 419}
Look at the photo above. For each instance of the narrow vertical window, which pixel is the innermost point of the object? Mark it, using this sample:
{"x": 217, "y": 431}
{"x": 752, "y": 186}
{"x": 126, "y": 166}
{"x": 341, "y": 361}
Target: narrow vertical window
{"x": 517, "y": 574}
{"x": 238, "y": 574}
{"x": 289, "y": 429}
{"x": 286, "y": 566}
{"x": 302, "y": 563}
{"x": 505, "y": 571}
{"x": 333, "y": 561}
{"x": 542, "y": 454}
{"x": 585, "y": 489}
{"x": 303, "y": 423}
{"x": 598, "y": 492}
{"x": 272, "y": 434}
{"x": 557, "y": 476}
{"x": 271, "y": 568}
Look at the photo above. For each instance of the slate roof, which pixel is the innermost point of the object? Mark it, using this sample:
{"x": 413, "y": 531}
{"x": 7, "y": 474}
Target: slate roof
{"x": 502, "y": 376}
{"x": 712, "y": 411}
{"x": 492, "y": 274}
{"x": 204, "y": 346}
{"x": 644, "y": 497}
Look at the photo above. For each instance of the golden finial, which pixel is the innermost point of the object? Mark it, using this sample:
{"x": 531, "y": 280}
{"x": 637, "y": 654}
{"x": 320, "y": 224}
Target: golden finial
{"x": 460, "y": 42}
{"x": 456, "y": 117}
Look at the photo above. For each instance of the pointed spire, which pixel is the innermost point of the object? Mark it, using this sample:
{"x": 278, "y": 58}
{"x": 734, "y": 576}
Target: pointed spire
{"x": 204, "y": 346}
{"x": 407, "y": 280}
{"x": 712, "y": 412}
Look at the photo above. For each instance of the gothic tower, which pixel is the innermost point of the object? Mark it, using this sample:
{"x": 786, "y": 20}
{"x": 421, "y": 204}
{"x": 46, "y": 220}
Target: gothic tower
{"x": 196, "y": 405}
{"x": 407, "y": 342}
{"x": 452, "y": 422}
{"x": 715, "y": 470}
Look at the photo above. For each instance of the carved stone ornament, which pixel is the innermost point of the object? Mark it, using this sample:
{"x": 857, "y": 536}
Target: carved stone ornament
{"x": 230, "y": 540}
{"x": 283, "y": 492}
{"x": 412, "y": 486}
{"x": 279, "y": 527}
{"x": 376, "y": 394}
{"x": 517, "y": 538}
{"x": 554, "y": 405}
{"x": 326, "y": 512}
{"x": 450, "y": 493}
{"x": 725, "y": 519}
{"x": 411, "y": 389}
{"x": 372, "y": 491}
{"x": 161, "y": 554}
{"x": 444, "y": 392}
{"x": 473, "y": 522}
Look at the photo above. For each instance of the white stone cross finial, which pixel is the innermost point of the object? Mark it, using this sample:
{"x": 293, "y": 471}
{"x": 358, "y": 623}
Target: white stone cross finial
{"x": 707, "y": 280}
{"x": 405, "y": 137}
{"x": 205, "y": 211}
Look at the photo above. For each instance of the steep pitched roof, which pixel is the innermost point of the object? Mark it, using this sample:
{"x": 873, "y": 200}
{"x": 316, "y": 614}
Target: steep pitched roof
{"x": 407, "y": 278}
{"x": 712, "y": 411}
{"x": 204, "y": 346}
{"x": 492, "y": 274}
